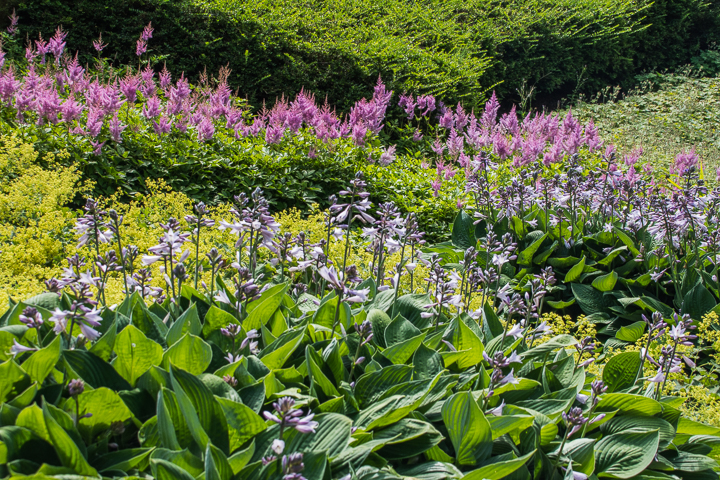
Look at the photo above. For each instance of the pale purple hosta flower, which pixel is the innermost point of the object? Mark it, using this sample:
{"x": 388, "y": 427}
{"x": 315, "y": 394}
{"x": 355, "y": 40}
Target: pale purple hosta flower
{"x": 292, "y": 465}
{"x": 516, "y": 331}
{"x": 278, "y": 446}
{"x": 76, "y": 387}
{"x": 541, "y": 330}
{"x": 287, "y": 416}
{"x": 18, "y": 348}
{"x": 92, "y": 226}
{"x": 336, "y": 281}
{"x": 250, "y": 342}
{"x": 574, "y": 419}
{"x": 170, "y": 243}
{"x": 79, "y": 314}
{"x": 232, "y": 358}
{"x": 31, "y": 317}
{"x": 497, "y": 411}
{"x": 232, "y": 381}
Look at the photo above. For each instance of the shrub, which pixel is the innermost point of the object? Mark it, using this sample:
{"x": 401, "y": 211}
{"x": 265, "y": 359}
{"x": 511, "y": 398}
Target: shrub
{"x": 338, "y": 49}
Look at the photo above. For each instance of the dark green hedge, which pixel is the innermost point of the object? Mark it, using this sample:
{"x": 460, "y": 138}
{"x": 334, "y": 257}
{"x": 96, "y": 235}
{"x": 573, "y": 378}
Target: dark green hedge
{"x": 455, "y": 48}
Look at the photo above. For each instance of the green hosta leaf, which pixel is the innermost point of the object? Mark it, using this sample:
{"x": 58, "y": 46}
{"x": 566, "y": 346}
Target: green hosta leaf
{"x": 605, "y": 283}
{"x": 370, "y": 387}
{"x": 561, "y": 341}
{"x": 621, "y": 370}
{"x": 196, "y": 401}
{"x": 698, "y": 302}
{"x": 559, "y": 305}
{"x": 103, "y": 347}
{"x": 243, "y": 422}
{"x": 690, "y": 462}
{"x": 627, "y": 241}
{"x": 498, "y": 470}
{"x": 277, "y": 357}
{"x": 217, "y": 466}
{"x": 431, "y": 471}
{"x": 426, "y": 362}
{"x": 575, "y": 272}
{"x": 318, "y": 379}
{"x": 146, "y": 322}
{"x": 624, "y": 455}
{"x": 635, "y": 423}
{"x": 96, "y": 372}
{"x": 182, "y": 458}
{"x": 526, "y": 256}
{"x": 411, "y": 306}
{"x": 582, "y": 453}
{"x": 691, "y": 427}
{"x": 42, "y": 362}
{"x": 589, "y": 299}
{"x": 262, "y": 309}
{"x": 509, "y": 423}
{"x": 401, "y": 352}
{"x": 463, "y": 231}
{"x": 136, "y": 354}
{"x": 380, "y": 321}
{"x": 13, "y": 380}
{"x": 464, "y": 339}
{"x": 165, "y": 425}
{"x": 190, "y": 353}
{"x": 469, "y": 430}
{"x": 68, "y": 452}
{"x": 189, "y": 322}
{"x": 215, "y": 319}
{"x": 331, "y": 436}
{"x": 629, "y": 404}
{"x": 122, "y": 460}
{"x": 632, "y": 333}
{"x": 105, "y": 406}
{"x": 407, "y": 438}
{"x": 400, "y": 330}
{"x": 167, "y": 471}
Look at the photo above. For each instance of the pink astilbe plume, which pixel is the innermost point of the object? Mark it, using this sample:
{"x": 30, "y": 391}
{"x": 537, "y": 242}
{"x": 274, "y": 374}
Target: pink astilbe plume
{"x": 140, "y": 48}
{"x": 56, "y": 45}
{"x": 8, "y": 86}
{"x": 165, "y": 78}
{"x": 147, "y": 32}
{"x": 148, "y": 83}
{"x": 94, "y": 122}
{"x": 71, "y": 110}
{"x": 116, "y": 128}
{"x": 151, "y": 109}
{"x": 684, "y": 161}
{"x": 13, "y": 28}
{"x": 98, "y": 44}
{"x": 162, "y": 126}
{"x": 129, "y": 87}
{"x": 42, "y": 49}
{"x": 489, "y": 116}
{"x": 205, "y": 129}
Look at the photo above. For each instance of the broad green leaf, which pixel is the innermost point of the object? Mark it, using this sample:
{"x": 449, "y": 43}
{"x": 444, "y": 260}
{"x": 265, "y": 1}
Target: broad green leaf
{"x": 165, "y": 424}
{"x": 582, "y": 452}
{"x": 105, "y": 406}
{"x": 627, "y": 241}
{"x": 215, "y": 319}
{"x": 575, "y": 272}
{"x": 691, "y": 427}
{"x": 217, "y": 466}
{"x": 146, "y": 321}
{"x": 426, "y": 362}
{"x": 94, "y": 370}
{"x": 243, "y": 422}
{"x": 206, "y": 418}
{"x": 561, "y": 341}
{"x": 262, "y": 309}
{"x": 277, "y": 357}
{"x": 463, "y": 231}
{"x": 605, "y": 283}
{"x": 469, "y": 430}
{"x": 621, "y": 370}
{"x": 509, "y": 423}
{"x": 370, "y": 387}
{"x": 42, "y": 362}
{"x": 380, "y": 321}
{"x": 123, "y": 459}
{"x": 67, "y": 451}
{"x": 691, "y": 462}
{"x": 407, "y": 438}
{"x": 165, "y": 470}
{"x": 136, "y": 354}
{"x": 188, "y": 322}
{"x": 13, "y": 380}
{"x": 403, "y": 351}
{"x": 241, "y": 458}
{"x": 400, "y": 330}
{"x": 624, "y": 455}
{"x": 318, "y": 379}
{"x": 629, "y": 404}
{"x": 526, "y": 256}
{"x": 181, "y": 458}
{"x": 190, "y": 353}
{"x": 498, "y": 470}
{"x": 634, "y": 423}
{"x": 632, "y": 333}
{"x": 331, "y": 436}
{"x": 698, "y": 302}
{"x": 464, "y": 339}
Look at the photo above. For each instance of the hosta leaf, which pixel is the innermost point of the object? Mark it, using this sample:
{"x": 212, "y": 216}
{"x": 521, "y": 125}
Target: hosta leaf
{"x": 526, "y": 256}
{"x": 498, "y": 470}
{"x": 215, "y": 319}
{"x": 380, "y": 321}
{"x": 575, "y": 272}
{"x": 167, "y": 471}
{"x": 626, "y": 423}
{"x": 400, "y": 330}
{"x": 629, "y": 404}
{"x": 67, "y": 450}
{"x": 582, "y": 453}
{"x": 331, "y": 436}
{"x": 42, "y": 362}
{"x": 631, "y": 333}
{"x": 277, "y": 357}
{"x": 698, "y": 301}
{"x": 690, "y": 462}
{"x": 509, "y": 423}
{"x": 181, "y": 458}
{"x": 561, "y": 341}
{"x": 426, "y": 362}
{"x": 401, "y": 352}
{"x": 105, "y": 406}
{"x": 624, "y": 455}
{"x": 94, "y": 370}
{"x": 243, "y": 422}
{"x": 190, "y": 353}
{"x": 463, "y": 231}
{"x": 136, "y": 354}
{"x": 468, "y": 429}
{"x": 621, "y": 370}
{"x": 262, "y": 309}
{"x": 123, "y": 459}
{"x": 605, "y": 283}
{"x": 371, "y": 386}
{"x": 464, "y": 339}
{"x": 188, "y": 322}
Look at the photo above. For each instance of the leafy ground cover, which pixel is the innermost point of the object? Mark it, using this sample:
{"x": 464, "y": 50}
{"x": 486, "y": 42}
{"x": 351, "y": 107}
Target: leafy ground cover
{"x": 453, "y": 49}
{"x": 669, "y": 114}
{"x": 567, "y": 327}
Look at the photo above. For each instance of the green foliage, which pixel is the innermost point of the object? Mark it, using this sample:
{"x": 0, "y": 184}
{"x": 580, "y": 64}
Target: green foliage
{"x": 455, "y": 49}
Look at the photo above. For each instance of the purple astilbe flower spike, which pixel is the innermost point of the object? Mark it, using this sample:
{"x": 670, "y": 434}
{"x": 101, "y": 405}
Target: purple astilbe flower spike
{"x": 13, "y": 28}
